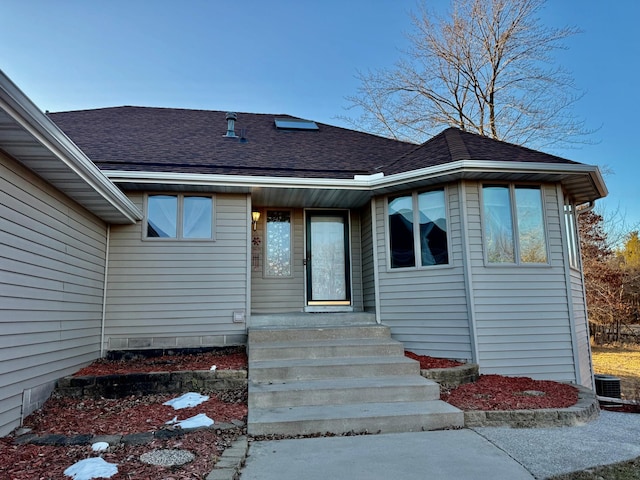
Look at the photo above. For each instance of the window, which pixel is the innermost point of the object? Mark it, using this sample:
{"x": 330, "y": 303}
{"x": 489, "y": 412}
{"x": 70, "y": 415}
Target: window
{"x": 572, "y": 236}
{"x": 514, "y": 224}
{"x": 427, "y": 211}
{"x": 179, "y": 217}
{"x": 278, "y": 245}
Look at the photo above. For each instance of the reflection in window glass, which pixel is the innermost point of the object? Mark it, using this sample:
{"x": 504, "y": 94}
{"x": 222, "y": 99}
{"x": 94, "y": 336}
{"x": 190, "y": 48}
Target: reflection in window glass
{"x": 531, "y": 238}
{"x": 278, "y": 261}
{"x": 329, "y": 268}
{"x": 433, "y": 228}
{"x": 197, "y": 217}
{"x": 401, "y": 232}
{"x": 498, "y": 224}
{"x": 162, "y": 214}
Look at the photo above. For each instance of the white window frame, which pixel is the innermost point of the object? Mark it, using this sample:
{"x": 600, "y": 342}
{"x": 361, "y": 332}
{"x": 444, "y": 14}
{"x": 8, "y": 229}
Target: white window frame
{"x": 179, "y": 218}
{"x": 416, "y": 234}
{"x": 514, "y": 225}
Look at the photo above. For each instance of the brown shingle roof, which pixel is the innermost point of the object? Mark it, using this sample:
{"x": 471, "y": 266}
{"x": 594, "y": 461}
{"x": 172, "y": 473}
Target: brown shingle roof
{"x": 192, "y": 141}
{"x": 452, "y": 145}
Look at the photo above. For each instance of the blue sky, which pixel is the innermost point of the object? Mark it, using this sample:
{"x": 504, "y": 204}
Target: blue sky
{"x": 296, "y": 57}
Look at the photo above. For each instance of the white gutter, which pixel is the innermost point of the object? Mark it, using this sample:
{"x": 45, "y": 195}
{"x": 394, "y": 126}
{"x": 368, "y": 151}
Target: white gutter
{"x": 24, "y": 112}
{"x": 360, "y": 182}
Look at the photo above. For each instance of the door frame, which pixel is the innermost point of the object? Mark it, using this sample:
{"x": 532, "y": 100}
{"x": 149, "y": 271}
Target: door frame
{"x": 327, "y": 305}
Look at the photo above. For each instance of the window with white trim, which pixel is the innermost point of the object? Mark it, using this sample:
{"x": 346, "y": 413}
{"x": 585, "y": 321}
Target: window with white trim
{"x": 184, "y": 217}
{"x": 425, "y": 245}
{"x": 514, "y": 231}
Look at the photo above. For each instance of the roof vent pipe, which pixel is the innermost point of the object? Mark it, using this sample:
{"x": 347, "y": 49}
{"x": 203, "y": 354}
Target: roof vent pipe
{"x": 231, "y": 122}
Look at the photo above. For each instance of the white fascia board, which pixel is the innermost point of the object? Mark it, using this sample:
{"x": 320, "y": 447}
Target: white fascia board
{"x": 247, "y": 181}
{"x": 46, "y": 132}
{"x": 486, "y": 166}
{"x": 360, "y": 182}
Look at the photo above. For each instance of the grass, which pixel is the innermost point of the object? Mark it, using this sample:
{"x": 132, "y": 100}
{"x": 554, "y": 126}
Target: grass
{"x": 622, "y": 361}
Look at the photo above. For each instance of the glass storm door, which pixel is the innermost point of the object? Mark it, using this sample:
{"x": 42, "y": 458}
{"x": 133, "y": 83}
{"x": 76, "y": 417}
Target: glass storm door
{"x": 328, "y": 267}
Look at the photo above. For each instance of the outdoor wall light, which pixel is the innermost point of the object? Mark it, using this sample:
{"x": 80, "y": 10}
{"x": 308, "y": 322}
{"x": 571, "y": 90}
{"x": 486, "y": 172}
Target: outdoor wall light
{"x": 255, "y": 216}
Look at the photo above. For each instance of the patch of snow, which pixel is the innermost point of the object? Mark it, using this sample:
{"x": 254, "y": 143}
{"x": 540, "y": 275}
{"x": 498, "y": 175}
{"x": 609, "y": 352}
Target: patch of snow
{"x": 91, "y": 468}
{"x": 172, "y": 421}
{"x": 100, "y": 446}
{"x": 190, "y": 399}
{"x": 200, "y": 420}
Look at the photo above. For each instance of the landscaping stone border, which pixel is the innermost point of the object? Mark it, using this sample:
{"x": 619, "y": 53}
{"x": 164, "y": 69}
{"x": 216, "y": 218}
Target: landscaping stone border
{"x": 231, "y": 461}
{"x": 141, "y": 438}
{"x": 585, "y": 410}
{"x": 454, "y": 376}
{"x": 124, "y": 385}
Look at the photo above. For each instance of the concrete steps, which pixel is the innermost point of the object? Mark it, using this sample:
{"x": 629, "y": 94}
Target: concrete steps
{"x": 339, "y": 391}
{"x": 347, "y": 347}
{"x": 344, "y": 375}
{"x": 388, "y": 417}
{"x": 338, "y": 367}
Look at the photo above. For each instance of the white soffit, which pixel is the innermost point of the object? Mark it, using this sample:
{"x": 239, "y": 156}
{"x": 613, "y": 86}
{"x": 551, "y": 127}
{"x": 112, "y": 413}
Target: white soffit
{"x": 583, "y": 182}
{"x": 31, "y": 138}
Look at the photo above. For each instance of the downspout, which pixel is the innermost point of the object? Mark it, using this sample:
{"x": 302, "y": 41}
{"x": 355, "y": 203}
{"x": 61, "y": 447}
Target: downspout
{"x": 104, "y": 292}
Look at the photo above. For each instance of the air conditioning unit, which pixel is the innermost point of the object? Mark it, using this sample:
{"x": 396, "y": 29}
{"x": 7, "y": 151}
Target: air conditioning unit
{"x": 607, "y": 386}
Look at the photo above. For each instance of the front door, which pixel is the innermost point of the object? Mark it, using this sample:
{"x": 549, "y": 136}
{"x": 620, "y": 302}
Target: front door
{"x": 327, "y": 258}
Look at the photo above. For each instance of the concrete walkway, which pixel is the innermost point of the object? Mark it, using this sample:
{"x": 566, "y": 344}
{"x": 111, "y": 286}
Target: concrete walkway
{"x": 487, "y": 452}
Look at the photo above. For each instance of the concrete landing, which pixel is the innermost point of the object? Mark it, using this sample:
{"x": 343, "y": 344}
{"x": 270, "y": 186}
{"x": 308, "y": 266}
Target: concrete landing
{"x": 446, "y": 455}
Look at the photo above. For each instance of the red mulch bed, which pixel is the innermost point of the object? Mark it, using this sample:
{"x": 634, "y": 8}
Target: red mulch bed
{"x": 29, "y": 462}
{"x": 133, "y": 414}
{"x": 168, "y": 363}
{"x": 68, "y": 416}
{"x": 427, "y": 362}
{"x": 495, "y": 392}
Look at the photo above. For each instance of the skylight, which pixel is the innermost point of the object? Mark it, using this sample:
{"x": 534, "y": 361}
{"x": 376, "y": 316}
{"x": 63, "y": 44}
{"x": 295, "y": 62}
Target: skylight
{"x": 295, "y": 124}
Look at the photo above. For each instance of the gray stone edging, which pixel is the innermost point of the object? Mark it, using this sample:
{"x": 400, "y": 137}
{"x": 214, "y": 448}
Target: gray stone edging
{"x": 231, "y": 461}
{"x": 586, "y": 409}
{"x": 140, "y": 438}
{"x": 141, "y": 383}
{"x": 454, "y": 376}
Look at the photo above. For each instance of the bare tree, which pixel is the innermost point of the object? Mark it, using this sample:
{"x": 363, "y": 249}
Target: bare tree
{"x": 485, "y": 68}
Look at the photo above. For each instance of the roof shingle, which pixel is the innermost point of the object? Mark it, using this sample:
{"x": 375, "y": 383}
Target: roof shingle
{"x": 193, "y": 141}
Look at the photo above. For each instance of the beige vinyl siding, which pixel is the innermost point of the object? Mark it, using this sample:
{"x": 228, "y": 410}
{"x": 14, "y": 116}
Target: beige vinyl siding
{"x": 178, "y": 293}
{"x": 368, "y": 266}
{"x": 285, "y": 294}
{"x": 582, "y": 329}
{"x": 52, "y": 256}
{"x": 356, "y": 261}
{"x": 426, "y": 308}
{"x": 522, "y": 312}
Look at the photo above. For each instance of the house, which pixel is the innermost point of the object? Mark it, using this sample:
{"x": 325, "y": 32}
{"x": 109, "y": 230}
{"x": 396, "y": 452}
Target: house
{"x": 134, "y": 228}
